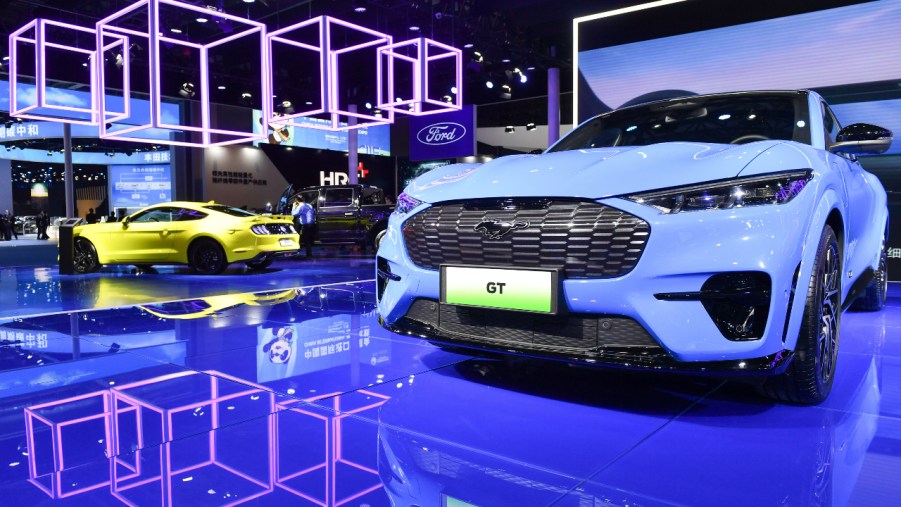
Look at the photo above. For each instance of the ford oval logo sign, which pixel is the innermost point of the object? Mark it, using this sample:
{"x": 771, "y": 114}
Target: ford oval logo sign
{"x": 437, "y": 134}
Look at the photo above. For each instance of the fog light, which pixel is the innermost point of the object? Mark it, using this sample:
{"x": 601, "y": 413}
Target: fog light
{"x": 738, "y": 303}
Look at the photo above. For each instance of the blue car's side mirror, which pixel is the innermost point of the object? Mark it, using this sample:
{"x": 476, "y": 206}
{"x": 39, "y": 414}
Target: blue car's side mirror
{"x": 862, "y": 139}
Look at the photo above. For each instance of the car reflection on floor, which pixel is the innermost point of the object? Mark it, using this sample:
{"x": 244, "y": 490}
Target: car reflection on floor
{"x": 295, "y": 396}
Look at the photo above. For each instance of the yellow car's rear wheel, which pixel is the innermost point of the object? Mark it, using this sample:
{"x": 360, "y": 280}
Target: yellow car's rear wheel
{"x": 84, "y": 257}
{"x": 206, "y": 257}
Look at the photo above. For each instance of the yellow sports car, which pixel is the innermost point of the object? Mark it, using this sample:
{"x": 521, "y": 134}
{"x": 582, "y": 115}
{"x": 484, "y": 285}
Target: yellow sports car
{"x": 206, "y": 236}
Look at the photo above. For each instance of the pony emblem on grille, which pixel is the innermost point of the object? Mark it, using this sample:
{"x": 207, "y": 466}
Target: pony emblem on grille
{"x": 497, "y": 229}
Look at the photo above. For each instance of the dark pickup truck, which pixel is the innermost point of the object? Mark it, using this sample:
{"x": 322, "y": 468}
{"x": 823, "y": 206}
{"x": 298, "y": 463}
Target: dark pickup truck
{"x": 345, "y": 214}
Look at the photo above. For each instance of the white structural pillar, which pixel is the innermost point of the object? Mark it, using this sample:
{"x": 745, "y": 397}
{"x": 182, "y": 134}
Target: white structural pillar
{"x": 353, "y": 142}
{"x": 553, "y": 106}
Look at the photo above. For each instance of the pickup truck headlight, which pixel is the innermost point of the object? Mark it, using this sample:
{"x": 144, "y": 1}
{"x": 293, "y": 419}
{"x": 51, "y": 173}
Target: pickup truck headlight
{"x": 406, "y": 204}
{"x": 754, "y": 191}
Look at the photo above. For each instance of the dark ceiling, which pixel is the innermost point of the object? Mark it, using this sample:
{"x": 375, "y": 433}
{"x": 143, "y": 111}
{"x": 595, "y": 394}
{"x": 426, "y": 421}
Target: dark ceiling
{"x": 529, "y": 33}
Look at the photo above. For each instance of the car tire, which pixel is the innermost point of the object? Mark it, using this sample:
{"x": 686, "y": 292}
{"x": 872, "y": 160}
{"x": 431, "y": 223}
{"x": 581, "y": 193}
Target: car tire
{"x": 84, "y": 257}
{"x": 808, "y": 379}
{"x": 377, "y": 240}
{"x": 873, "y": 297}
{"x": 206, "y": 257}
{"x": 259, "y": 265}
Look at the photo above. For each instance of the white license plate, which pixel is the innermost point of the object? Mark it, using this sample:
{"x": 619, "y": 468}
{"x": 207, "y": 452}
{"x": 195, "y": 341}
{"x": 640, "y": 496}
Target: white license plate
{"x": 529, "y": 290}
{"x": 285, "y": 242}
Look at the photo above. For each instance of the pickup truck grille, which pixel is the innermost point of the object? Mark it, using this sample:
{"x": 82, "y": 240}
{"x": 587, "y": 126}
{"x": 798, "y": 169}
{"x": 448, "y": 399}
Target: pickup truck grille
{"x": 582, "y": 239}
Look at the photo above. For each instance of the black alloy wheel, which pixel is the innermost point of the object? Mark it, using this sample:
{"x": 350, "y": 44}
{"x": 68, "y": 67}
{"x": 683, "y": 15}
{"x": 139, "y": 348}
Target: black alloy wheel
{"x": 808, "y": 379}
{"x": 84, "y": 257}
{"x": 207, "y": 257}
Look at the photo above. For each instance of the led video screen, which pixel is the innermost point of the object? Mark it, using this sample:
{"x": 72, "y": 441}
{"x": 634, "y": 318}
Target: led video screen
{"x": 846, "y": 53}
{"x": 370, "y": 141}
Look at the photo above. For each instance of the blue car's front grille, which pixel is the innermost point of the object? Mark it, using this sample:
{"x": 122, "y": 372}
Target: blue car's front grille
{"x": 582, "y": 239}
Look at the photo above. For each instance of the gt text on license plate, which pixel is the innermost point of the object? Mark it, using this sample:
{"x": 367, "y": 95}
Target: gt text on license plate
{"x": 530, "y": 290}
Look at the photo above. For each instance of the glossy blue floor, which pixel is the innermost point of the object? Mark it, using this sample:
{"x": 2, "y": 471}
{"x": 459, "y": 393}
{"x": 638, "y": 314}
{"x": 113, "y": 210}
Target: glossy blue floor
{"x": 174, "y": 389}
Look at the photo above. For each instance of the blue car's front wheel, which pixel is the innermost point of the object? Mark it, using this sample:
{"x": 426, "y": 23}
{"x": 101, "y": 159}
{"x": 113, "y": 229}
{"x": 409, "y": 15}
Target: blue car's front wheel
{"x": 809, "y": 377}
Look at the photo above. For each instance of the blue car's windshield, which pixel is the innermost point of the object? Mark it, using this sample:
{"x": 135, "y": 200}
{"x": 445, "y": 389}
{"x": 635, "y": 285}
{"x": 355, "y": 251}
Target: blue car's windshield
{"x": 735, "y": 118}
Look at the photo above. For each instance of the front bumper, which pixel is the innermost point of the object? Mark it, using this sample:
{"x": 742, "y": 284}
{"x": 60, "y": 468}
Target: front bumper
{"x": 683, "y": 252}
{"x": 626, "y": 357}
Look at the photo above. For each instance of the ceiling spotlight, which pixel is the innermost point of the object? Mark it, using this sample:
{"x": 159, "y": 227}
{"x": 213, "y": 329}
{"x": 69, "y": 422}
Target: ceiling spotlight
{"x": 468, "y": 45}
{"x": 531, "y": 126}
{"x": 246, "y": 95}
{"x": 221, "y": 87}
{"x": 448, "y": 99}
{"x": 414, "y": 28}
{"x": 369, "y": 105}
{"x": 201, "y": 20}
{"x": 248, "y": 1}
{"x": 505, "y": 60}
{"x": 175, "y": 30}
{"x": 5, "y": 58}
{"x": 530, "y": 68}
{"x": 119, "y": 61}
{"x": 187, "y": 90}
{"x": 509, "y": 129}
{"x": 309, "y": 103}
{"x": 523, "y": 78}
{"x": 489, "y": 84}
{"x": 454, "y": 90}
{"x": 85, "y": 64}
{"x": 477, "y": 57}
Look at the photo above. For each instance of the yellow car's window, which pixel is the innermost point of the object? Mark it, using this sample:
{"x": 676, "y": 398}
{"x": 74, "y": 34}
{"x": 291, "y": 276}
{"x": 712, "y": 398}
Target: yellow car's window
{"x": 155, "y": 215}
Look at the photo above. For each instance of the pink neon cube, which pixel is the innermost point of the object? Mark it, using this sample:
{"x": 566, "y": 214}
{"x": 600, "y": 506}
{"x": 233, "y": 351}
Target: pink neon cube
{"x": 432, "y": 70}
{"x": 29, "y": 49}
{"x": 321, "y": 47}
{"x": 189, "y": 424}
{"x": 322, "y": 476}
{"x": 144, "y": 32}
{"x": 69, "y": 441}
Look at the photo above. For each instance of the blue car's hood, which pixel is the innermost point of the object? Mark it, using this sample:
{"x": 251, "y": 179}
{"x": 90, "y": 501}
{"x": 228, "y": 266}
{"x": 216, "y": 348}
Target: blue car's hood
{"x": 591, "y": 174}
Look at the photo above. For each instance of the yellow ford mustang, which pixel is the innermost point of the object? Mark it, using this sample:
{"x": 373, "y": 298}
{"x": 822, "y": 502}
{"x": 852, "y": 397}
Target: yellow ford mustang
{"x": 206, "y": 236}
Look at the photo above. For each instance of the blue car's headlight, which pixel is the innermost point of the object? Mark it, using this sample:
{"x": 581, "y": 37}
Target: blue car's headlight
{"x": 406, "y": 203}
{"x": 754, "y": 191}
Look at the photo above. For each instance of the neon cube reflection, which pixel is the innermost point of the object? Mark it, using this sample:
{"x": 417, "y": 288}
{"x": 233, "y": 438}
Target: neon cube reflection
{"x": 149, "y": 415}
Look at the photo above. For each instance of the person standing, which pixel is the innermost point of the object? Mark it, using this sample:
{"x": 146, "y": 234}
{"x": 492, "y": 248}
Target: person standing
{"x": 42, "y": 221}
{"x": 112, "y": 217}
{"x": 11, "y": 226}
{"x": 4, "y": 227}
{"x": 305, "y": 216}
{"x": 91, "y": 218}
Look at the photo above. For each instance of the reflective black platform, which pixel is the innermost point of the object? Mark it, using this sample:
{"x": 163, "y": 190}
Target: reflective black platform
{"x": 280, "y": 388}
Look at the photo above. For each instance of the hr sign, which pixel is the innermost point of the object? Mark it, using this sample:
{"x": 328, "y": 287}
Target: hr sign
{"x": 444, "y": 135}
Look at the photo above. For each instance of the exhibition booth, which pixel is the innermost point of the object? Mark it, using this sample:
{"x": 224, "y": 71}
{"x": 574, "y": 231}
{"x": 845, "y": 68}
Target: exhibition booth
{"x": 450, "y": 254}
